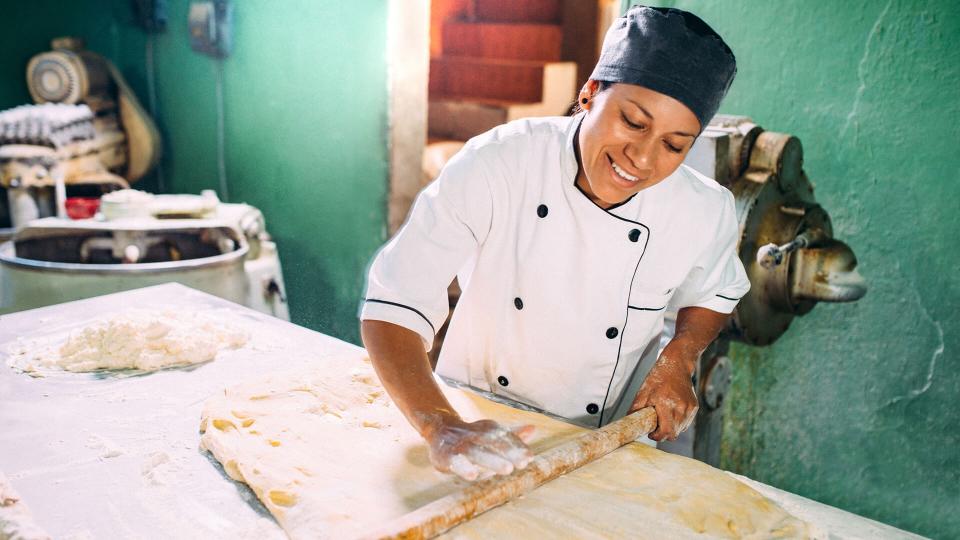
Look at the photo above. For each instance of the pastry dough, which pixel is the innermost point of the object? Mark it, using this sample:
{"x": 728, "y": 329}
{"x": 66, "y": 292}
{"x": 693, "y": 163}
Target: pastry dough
{"x": 330, "y": 456}
{"x": 137, "y": 339}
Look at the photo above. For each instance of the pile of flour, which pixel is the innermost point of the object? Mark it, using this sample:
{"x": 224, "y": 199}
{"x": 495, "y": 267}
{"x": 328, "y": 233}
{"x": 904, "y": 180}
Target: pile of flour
{"x": 137, "y": 339}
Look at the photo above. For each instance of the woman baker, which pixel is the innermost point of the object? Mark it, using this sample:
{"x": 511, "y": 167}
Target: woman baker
{"x": 570, "y": 237}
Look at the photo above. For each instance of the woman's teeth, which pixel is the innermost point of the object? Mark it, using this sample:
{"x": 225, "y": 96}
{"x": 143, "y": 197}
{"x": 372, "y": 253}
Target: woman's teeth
{"x": 623, "y": 174}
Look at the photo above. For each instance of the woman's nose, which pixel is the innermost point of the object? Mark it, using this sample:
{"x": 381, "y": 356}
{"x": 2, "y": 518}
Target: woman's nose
{"x": 642, "y": 156}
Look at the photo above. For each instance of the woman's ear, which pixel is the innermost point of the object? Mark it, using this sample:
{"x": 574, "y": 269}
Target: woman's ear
{"x": 587, "y": 93}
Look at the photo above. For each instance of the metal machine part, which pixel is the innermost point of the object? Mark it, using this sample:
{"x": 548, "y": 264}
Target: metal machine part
{"x": 771, "y": 255}
{"x": 716, "y": 382}
{"x": 70, "y": 74}
{"x": 67, "y": 74}
{"x": 786, "y": 243}
{"x": 786, "y": 246}
{"x": 712, "y": 384}
{"x": 228, "y": 254}
{"x": 87, "y": 132}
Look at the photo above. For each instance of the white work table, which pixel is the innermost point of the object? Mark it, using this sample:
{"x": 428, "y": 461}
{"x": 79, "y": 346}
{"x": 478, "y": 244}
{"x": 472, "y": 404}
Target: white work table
{"x": 110, "y": 455}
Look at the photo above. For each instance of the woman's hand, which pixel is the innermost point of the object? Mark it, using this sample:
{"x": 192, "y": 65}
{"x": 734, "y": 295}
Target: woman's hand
{"x": 479, "y": 449}
{"x": 669, "y": 390}
{"x": 468, "y": 449}
{"x": 668, "y": 387}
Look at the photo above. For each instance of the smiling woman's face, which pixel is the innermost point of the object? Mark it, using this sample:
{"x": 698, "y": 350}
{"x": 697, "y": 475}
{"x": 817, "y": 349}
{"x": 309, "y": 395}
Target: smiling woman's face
{"x": 631, "y": 138}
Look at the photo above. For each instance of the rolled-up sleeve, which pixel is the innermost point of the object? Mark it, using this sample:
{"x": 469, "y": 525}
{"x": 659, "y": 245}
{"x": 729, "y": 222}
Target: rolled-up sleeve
{"x": 718, "y": 280}
{"x": 408, "y": 278}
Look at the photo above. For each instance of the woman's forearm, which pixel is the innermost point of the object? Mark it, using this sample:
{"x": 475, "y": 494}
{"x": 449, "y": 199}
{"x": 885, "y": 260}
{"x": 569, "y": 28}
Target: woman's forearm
{"x": 401, "y": 363}
{"x": 667, "y": 387}
{"x": 696, "y": 329}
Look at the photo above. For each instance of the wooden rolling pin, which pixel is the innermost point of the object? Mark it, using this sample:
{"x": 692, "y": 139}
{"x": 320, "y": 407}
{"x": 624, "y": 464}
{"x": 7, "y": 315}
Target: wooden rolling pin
{"x": 444, "y": 514}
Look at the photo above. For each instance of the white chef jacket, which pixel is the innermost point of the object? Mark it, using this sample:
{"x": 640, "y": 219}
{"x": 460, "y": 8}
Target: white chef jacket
{"x": 562, "y": 301}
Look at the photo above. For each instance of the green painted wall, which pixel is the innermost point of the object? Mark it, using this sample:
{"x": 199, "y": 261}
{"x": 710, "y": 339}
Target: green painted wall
{"x": 857, "y": 406}
{"x": 304, "y": 123}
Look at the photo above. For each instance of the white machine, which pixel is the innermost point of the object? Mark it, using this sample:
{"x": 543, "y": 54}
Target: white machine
{"x": 76, "y": 230}
{"x": 219, "y": 248}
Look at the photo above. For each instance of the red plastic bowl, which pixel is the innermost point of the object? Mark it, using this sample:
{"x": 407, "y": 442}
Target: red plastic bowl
{"x": 82, "y": 207}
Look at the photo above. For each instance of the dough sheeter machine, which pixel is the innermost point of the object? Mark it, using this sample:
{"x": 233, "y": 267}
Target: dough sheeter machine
{"x": 107, "y": 455}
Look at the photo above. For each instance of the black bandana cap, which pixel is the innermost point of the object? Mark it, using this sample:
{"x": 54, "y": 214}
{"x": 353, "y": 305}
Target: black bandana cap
{"x": 670, "y": 51}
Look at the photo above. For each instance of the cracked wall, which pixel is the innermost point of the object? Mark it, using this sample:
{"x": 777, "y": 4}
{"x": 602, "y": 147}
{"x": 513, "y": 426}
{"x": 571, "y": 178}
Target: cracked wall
{"x": 857, "y": 405}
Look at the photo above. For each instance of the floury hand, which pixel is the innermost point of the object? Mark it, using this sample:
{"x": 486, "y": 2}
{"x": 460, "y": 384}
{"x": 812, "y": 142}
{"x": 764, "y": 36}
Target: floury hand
{"x": 479, "y": 449}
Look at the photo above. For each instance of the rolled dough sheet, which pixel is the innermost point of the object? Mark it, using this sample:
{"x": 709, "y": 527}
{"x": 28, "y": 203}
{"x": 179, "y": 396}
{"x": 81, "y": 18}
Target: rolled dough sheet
{"x": 330, "y": 456}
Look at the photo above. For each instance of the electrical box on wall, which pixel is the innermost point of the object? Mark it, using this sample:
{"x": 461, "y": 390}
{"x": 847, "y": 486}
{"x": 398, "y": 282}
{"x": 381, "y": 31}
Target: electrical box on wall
{"x": 210, "y": 24}
{"x": 151, "y": 15}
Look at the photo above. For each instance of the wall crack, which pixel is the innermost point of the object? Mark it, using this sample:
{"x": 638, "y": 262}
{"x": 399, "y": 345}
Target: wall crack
{"x": 862, "y": 72}
{"x": 932, "y": 366}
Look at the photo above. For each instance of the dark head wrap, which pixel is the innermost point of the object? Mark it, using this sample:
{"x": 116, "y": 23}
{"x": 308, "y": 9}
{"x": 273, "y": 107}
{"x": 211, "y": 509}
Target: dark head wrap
{"x": 670, "y": 51}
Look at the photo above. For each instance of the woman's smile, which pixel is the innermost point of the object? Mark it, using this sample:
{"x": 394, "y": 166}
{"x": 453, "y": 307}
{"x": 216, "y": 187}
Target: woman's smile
{"x": 621, "y": 177}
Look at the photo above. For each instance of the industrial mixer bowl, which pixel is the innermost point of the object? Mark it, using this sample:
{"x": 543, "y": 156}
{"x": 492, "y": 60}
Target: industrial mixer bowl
{"x": 53, "y": 261}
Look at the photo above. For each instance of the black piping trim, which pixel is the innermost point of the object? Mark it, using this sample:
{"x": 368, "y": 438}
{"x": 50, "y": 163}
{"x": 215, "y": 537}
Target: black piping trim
{"x": 646, "y": 242}
{"x": 576, "y": 135}
{"x": 607, "y": 209}
{"x": 728, "y": 298}
{"x": 647, "y": 308}
{"x": 374, "y": 300}
{"x": 623, "y": 330}
{"x": 621, "y": 203}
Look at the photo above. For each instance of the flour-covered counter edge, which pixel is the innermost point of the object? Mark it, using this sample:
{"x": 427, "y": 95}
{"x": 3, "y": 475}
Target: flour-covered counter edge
{"x": 16, "y": 520}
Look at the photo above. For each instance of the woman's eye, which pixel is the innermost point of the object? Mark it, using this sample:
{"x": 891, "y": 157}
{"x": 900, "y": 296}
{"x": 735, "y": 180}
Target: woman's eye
{"x": 632, "y": 124}
{"x": 673, "y": 148}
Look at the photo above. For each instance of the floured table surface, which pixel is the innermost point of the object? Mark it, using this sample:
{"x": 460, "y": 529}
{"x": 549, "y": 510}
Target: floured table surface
{"x": 109, "y": 455}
